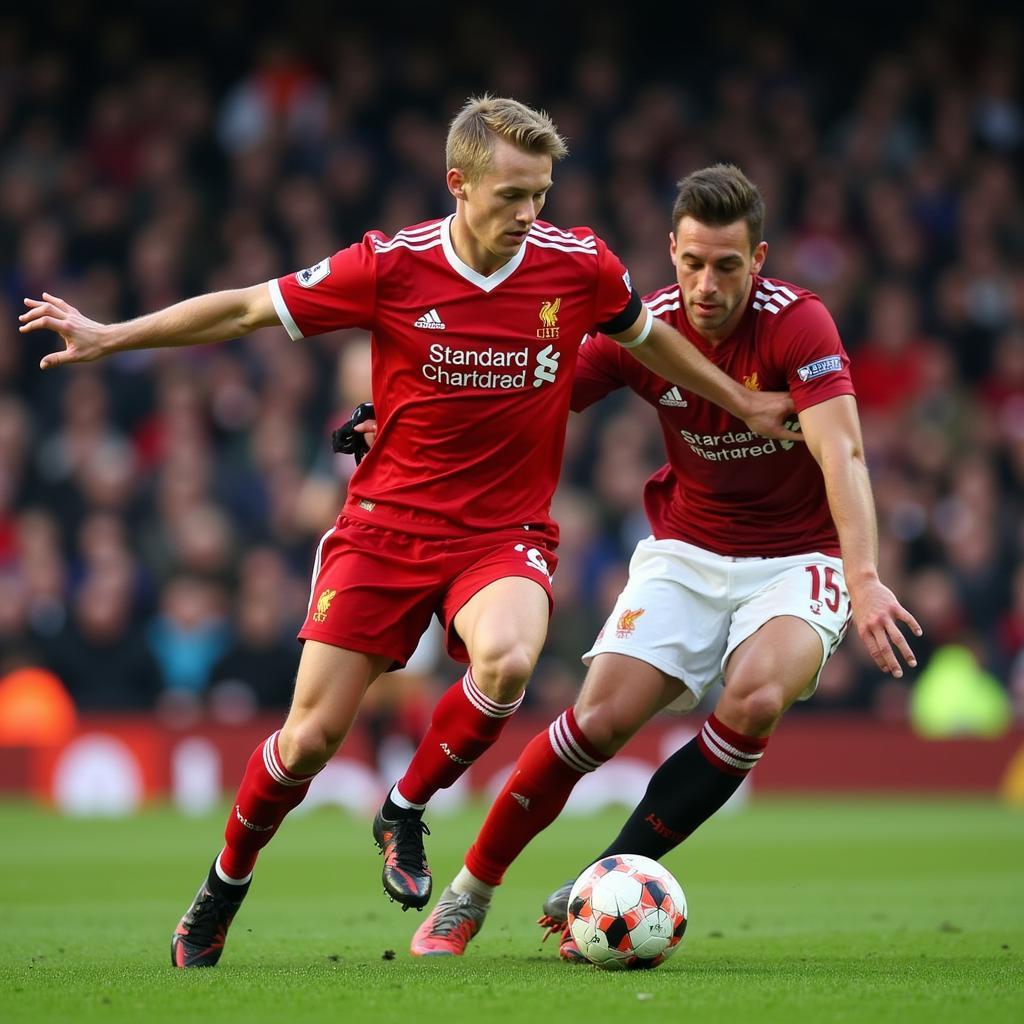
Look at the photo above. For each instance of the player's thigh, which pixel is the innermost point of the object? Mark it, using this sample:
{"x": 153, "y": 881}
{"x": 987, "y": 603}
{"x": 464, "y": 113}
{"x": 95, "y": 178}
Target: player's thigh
{"x": 329, "y": 687}
{"x": 784, "y": 656}
{"x": 620, "y": 694}
{"x": 672, "y": 615}
{"x": 503, "y": 626}
{"x": 784, "y": 630}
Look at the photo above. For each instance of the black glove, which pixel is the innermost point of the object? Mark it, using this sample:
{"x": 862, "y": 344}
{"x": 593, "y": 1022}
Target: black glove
{"x": 346, "y": 440}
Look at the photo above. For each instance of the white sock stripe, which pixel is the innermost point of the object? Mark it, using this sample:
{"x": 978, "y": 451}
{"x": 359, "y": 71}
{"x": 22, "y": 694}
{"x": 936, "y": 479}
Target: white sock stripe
{"x": 734, "y": 751}
{"x": 567, "y": 736}
{"x": 566, "y": 755}
{"x": 227, "y": 879}
{"x": 277, "y": 771}
{"x": 726, "y": 758}
{"x": 400, "y": 801}
{"x": 485, "y": 704}
{"x": 568, "y": 749}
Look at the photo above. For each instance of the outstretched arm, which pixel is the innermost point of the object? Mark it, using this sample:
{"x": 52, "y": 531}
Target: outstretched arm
{"x": 206, "y": 318}
{"x": 832, "y": 432}
{"x": 665, "y": 351}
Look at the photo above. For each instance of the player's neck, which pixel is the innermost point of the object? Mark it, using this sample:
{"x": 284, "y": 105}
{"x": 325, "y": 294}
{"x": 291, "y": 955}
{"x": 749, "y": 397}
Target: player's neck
{"x": 469, "y": 249}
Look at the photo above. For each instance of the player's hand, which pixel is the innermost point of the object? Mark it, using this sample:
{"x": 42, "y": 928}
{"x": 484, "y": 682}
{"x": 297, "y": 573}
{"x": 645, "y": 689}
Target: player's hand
{"x": 770, "y": 414}
{"x": 356, "y": 435}
{"x": 84, "y": 339}
{"x": 876, "y": 614}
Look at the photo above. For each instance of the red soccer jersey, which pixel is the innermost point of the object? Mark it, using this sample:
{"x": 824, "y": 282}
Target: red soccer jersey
{"x": 472, "y": 375}
{"x": 725, "y": 489}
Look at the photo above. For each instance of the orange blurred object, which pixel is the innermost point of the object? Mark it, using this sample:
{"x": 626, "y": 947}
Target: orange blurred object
{"x": 35, "y": 709}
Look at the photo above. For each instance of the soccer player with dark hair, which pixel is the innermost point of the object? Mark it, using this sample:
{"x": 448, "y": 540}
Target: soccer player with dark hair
{"x": 761, "y": 552}
{"x": 476, "y": 320}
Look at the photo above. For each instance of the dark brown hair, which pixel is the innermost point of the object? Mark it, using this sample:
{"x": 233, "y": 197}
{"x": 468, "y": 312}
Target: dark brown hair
{"x": 720, "y": 195}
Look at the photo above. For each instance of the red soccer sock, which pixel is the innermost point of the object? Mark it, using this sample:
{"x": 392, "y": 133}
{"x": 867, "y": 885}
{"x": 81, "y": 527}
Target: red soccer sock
{"x": 464, "y": 724}
{"x": 267, "y": 793}
{"x": 545, "y": 774}
{"x": 730, "y": 751}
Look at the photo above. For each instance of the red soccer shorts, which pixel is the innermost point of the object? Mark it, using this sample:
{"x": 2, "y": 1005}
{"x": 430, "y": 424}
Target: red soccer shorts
{"x": 374, "y": 590}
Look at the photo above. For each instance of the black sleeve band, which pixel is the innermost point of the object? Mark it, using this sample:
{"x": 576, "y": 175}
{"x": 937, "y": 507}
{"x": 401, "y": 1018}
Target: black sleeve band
{"x": 626, "y": 318}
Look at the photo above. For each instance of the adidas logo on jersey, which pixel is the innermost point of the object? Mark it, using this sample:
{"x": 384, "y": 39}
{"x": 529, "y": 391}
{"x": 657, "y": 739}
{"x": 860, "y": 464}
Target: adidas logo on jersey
{"x": 430, "y": 321}
{"x": 674, "y": 398}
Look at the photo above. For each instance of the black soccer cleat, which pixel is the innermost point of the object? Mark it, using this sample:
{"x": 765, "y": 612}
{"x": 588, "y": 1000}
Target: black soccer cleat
{"x": 198, "y": 941}
{"x": 406, "y": 876}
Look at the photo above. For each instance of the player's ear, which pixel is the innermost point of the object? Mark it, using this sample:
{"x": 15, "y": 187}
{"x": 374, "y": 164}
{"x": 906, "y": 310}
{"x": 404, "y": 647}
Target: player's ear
{"x": 760, "y": 255}
{"x": 456, "y": 181}
{"x": 672, "y": 247}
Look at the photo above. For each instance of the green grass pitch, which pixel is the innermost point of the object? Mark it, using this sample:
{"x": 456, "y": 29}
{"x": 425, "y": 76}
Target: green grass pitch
{"x": 862, "y": 910}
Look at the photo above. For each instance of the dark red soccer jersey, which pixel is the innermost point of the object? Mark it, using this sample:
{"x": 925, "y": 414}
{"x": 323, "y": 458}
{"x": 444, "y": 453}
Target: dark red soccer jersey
{"x": 472, "y": 375}
{"x": 723, "y": 488}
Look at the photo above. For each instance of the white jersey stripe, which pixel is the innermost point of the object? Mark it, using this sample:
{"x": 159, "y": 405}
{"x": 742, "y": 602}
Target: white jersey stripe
{"x": 791, "y": 295}
{"x": 418, "y": 233}
{"x": 667, "y": 307}
{"x": 565, "y": 236}
{"x": 778, "y": 298}
{"x": 402, "y": 244}
{"x": 544, "y": 244}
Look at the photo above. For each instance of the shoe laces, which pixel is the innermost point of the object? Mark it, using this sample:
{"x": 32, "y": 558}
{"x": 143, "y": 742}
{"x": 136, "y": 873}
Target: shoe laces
{"x": 454, "y": 911}
{"x": 407, "y": 835}
{"x": 209, "y": 914}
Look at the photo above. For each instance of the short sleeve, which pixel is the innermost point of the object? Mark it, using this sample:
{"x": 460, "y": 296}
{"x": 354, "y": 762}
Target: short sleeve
{"x": 598, "y": 371}
{"x": 815, "y": 361}
{"x": 614, "y": 291}
{"x": 336, "y": 293}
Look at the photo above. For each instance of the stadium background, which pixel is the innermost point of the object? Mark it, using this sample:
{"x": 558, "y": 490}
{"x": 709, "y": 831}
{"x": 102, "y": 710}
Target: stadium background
{"x": 158, "y": 512}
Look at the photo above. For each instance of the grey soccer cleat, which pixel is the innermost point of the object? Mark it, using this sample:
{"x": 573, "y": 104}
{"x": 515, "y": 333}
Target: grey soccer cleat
{"x": 451, "y": 924}
{"x": 556, "y": 906}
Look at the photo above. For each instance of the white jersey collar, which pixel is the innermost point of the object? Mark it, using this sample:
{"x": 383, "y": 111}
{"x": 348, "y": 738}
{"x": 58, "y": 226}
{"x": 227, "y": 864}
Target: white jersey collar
{"x": 484, "y": 283}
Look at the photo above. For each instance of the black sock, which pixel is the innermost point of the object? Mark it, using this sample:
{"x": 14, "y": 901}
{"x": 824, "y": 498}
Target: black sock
{"x": 392, "y": 812}
{"x": 682, "y": 794}
{"x": 217, "y": 885}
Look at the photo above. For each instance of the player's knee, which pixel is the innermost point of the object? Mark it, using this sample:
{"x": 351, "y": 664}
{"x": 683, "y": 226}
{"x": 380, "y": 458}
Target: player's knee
{"x": 761, "y": 709}
{"x": 603, "y": 728}
{"x": 502, "y": 673}
{"x": 307, "y": 746}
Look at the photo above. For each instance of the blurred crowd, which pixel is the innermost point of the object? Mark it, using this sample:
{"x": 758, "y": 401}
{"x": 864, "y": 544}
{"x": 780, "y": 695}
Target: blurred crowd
{"x": 159, "y": 511}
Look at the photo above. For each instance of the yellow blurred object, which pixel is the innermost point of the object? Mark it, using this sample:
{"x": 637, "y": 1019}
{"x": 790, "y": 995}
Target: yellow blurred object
{"x": 35, "y": 709}
{"x": 1012, "y": 788}
{"x": 955, "y": 696}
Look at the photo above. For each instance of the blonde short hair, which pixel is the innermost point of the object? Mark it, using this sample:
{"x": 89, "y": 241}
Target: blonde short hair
{"x": 471, "y": 136}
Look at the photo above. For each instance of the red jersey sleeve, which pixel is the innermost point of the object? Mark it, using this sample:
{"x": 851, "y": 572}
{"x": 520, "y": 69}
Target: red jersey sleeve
{"x": 812, "y": 354}
{"x": 336, "y": 293}
{"x": 598, "y": 371}
{"x": 615, "y": 294}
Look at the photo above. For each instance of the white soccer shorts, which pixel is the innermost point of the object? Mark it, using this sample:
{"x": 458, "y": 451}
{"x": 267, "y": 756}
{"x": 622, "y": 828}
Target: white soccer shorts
{"x": 684, "y": 610}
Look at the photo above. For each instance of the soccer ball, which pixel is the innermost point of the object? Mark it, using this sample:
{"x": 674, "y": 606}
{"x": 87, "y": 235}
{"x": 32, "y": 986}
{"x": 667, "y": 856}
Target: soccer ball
{"x": 627, "y": 912}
